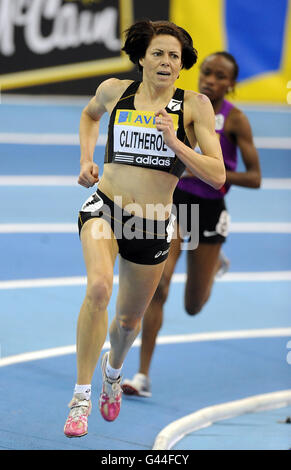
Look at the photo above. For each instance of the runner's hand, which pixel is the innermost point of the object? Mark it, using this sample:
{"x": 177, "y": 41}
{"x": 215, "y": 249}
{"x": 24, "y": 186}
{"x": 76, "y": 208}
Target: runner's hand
{"x": 165, "y": 124}
{"x": 89, "y": 174}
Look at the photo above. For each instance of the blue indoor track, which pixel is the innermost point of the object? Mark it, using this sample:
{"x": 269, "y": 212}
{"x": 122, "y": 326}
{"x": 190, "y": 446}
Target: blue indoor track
{"x": 238, "y": 347}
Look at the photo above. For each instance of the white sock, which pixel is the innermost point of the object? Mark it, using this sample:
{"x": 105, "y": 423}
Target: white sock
{"x": 85, "y": 389}
{"x": 112, "y": 373}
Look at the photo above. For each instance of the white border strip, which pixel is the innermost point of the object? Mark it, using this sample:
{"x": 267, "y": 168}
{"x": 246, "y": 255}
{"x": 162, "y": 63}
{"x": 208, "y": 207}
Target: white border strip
{"x": 235, "y": 227}
{"x": 172, "y": 339}
{"x": 264, "y": 276}
{"x": 205, "y": 417}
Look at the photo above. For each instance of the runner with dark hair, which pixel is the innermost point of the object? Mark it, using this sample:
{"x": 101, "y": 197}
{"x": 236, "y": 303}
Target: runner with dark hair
{"x": 151, "y": 123}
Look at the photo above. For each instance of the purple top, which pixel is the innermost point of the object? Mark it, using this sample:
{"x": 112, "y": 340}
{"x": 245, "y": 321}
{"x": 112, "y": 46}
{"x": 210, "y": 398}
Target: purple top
{"x": 229, "y": 152}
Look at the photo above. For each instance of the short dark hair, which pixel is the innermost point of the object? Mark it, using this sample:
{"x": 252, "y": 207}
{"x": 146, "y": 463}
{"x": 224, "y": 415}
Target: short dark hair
{"x": 140, "y": 34}
{"x": 231, "y": 59}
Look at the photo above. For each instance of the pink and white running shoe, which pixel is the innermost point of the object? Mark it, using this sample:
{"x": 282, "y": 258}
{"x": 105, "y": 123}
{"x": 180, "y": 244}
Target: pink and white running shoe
{"x": 110, "y": 397}
{"x": 77, "y": 422}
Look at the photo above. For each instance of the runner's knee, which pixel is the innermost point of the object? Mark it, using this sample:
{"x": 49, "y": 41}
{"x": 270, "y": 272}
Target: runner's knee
{"x": 162, "y": 291}
{"x": 193, "y": 308}
{"x": 98, "y": 293}
{"x": 194, "y": 305}
{"x": 195, "y": 300}
{"x": 129, "y": 323}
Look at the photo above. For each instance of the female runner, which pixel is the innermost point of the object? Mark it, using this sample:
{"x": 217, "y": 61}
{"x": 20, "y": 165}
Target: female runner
{"x": 151, "y": 122}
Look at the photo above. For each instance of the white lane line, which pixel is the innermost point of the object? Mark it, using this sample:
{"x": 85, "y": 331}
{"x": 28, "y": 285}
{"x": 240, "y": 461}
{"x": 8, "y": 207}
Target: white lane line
{"x": 276, "y": 183}
{"x": 39, "y": 228}
{"x": 205, "y": 417}
{"x": 259, "y": 227}
{"x": 171, "y": 339}
{"x": 82, "y": 100}
{"x": 46, "y": 282}
{"x": 235, "y": 227}
{"x": 273, "y": 143}
{"x": 38, "y": 180}
{"x": 73, "y": 139}
{"x": 72, "y": 180}
{"x": 45, "y": 139}
{"x": 71, "y": 100}
{"x": 269, "y": 276}
{"x": 265, "y": 276}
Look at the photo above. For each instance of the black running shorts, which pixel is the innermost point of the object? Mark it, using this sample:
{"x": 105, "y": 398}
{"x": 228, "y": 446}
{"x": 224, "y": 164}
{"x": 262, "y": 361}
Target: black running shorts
{"x": 213, "y": 217}
{"x": 142, "y": 241}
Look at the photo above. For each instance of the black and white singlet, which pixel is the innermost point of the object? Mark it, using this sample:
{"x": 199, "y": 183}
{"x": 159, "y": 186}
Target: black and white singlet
{"x": 133, "y": 138}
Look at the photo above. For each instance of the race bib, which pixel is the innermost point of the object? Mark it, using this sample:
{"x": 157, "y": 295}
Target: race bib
{"x": 222, "y": 226}
{"x": 137, "y": 140}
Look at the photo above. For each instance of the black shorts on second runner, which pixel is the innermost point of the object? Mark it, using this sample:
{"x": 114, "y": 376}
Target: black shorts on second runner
{"x": 141, "y": 241}
{"x": 213, "y": 217}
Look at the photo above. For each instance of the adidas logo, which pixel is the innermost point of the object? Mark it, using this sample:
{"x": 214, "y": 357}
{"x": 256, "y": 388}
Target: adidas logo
{"x": 153, "y": 161}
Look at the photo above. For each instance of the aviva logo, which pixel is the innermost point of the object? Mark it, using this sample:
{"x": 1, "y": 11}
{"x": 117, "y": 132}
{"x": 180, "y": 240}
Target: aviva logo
{"x": 135, "y": 118}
